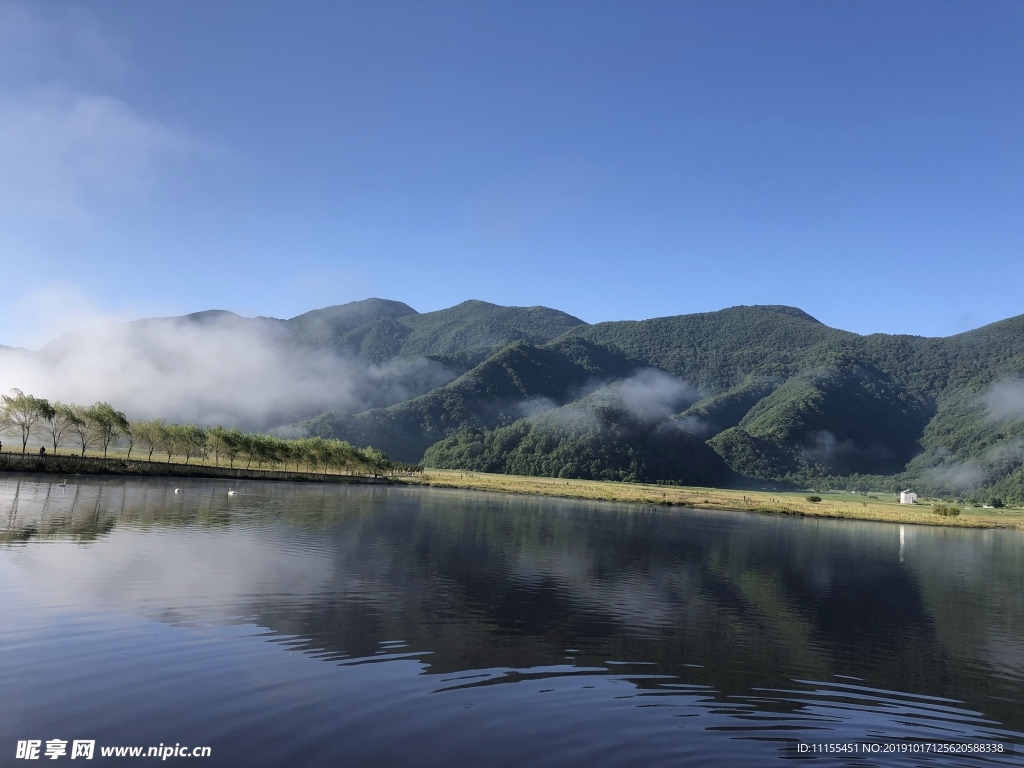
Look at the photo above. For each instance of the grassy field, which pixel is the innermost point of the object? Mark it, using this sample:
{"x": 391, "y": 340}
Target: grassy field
{"x": 877, "y": 507}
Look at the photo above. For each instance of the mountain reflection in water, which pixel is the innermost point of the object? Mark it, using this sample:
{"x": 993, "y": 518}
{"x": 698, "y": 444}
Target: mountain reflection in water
{"x": 327, "y": 625}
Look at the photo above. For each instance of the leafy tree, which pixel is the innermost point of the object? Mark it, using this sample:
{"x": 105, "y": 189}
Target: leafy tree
{"x": 149, "y": 434}
{"x": 188, "y": 440}
{"x": 82, "y": 427}
{"x": 60, "y": 423}
{"x": 299, "y": 452}
{"x": 234, "y": 442}
{"x": 377, "y": 460}
{"x": 345, "y": 456}
{"x": 311, "y": 449}
{"x": 19, "y": 413}
{"x": 265, "y": 449}
{"x": 129, "y": 438}
{"x": 285, "y": 451}
{"x": 107, "y": 423}
{"x": 170, "y": 439}
{"x": 217, "y": 438}
{"x": 322, "y": 452}
{"x": 249, "y": 448}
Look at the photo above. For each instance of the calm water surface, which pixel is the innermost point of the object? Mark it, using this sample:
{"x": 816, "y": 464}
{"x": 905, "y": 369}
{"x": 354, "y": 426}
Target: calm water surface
{"x": 301, "y": 625}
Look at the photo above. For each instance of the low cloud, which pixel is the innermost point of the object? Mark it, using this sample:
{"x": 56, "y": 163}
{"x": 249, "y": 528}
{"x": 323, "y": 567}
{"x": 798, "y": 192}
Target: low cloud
{"x": 573, "y": 418}
{"x": 214, "y": 368}
{"x": 653, "y": 395}
{"x": 825, "y": 447}
{"x": 963, "y": 476}
{"x": 648, "y": 395}
{"x": 536, "y": 406}
{"x": 48, "y": 310}
{"x": 1004, "y": 400}
{"x": 694, "y": 425}
{"x": 1011, "y": 451}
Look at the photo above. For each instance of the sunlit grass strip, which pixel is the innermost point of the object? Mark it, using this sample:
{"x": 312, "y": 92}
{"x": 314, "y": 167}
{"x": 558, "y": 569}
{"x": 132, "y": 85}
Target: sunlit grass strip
{"x": 716, "y": 498}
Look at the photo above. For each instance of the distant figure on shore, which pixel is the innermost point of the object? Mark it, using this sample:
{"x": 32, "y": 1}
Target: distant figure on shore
{"x": 42, "y": 450}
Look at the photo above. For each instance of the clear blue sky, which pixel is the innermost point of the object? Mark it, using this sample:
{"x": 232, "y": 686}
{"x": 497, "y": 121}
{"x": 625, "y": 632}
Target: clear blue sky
{"x": 861, "y": 160}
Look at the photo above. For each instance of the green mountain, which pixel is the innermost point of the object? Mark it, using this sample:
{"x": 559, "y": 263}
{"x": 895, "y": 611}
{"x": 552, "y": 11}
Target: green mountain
{"x": 376, "y": 330}
{"x": 781, "y": 398}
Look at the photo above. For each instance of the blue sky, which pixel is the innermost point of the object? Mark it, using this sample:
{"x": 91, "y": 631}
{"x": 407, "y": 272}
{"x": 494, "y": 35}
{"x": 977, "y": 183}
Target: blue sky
{"x": 861, "y": 160}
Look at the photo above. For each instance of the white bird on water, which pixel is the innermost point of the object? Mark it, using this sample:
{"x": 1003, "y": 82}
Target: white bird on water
{"x": 232, "y": 493}
{"x": 64, "y": 484}
{"x": 177, "y": 489}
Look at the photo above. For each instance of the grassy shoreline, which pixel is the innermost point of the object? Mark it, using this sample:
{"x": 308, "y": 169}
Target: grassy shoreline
{"x": 119, "y": 466}
{"x": 832, "y": 506}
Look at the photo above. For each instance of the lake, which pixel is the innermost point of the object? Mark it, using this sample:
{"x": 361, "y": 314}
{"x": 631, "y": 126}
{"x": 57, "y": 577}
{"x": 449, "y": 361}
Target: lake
{"x": 310, "y": 625}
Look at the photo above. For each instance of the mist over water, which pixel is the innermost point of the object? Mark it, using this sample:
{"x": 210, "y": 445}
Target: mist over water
{"x": 310, "y": 625}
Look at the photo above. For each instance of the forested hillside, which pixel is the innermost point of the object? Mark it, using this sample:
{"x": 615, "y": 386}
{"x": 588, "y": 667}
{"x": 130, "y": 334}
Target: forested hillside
{"x": 779, "y": 397}
{"x": 376, "y": 330}
{"x": 603, "y": 436}
{"x": 516, "y": 381}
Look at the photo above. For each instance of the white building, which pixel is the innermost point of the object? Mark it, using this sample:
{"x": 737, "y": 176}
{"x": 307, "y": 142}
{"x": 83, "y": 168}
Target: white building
{"x": 908, "y": 497}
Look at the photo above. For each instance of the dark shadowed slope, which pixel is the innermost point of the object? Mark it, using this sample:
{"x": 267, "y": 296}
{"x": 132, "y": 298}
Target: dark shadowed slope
{"x": 518, "y": 380}
{"x": 599, "y": 437}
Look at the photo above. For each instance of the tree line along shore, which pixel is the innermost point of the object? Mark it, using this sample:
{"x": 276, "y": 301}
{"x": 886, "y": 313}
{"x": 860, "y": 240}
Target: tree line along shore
{"x": 100, "y": 430}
